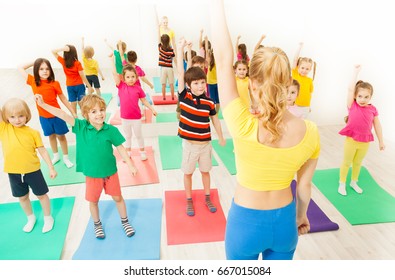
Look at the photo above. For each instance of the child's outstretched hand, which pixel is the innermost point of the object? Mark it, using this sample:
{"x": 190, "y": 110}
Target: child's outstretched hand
{"x": 39, "y": 99}
{"x": 133, "y": 170}
{"x": 154, "y": 112}
{"x": 381, "y": 146}
{"x": 52, "y": 173}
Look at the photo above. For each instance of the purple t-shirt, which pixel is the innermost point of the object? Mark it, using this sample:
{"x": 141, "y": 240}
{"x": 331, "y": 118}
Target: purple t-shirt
{"x": 129, "y": 97}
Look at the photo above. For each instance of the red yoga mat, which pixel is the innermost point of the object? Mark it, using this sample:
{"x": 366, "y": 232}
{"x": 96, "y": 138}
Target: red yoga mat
{"x": 146, "y": 170}
{"x": 116, "y": 118}
{"x": 203, "y": 227}
{"x": 158, "y": 99}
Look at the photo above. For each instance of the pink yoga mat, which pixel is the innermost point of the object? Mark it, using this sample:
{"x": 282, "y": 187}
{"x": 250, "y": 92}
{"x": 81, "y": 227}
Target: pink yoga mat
{"x": 116, "y": 119}
{"x": 203, "y": 227}
{"x": 146, "y": 174}
{"x": 158, "y": 99}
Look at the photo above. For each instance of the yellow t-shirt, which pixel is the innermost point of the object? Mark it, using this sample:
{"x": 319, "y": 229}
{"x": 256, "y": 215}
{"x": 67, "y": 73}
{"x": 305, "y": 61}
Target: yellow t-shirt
{"x": 306, "y": 88}
{"x": 168, "y": 32}
{"x": 19, "y": 148}
{"x": 212, "y": 75}
{"x": 91, "y": 66}
{"x": 260, "y": 167}
{"x": 242, "y": 89}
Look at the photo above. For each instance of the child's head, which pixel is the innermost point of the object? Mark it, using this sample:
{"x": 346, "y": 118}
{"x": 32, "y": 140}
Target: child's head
{"x": 42, "y": 70}
{"x": 305, "y": 65}
{"x": 165, "y": 21}
{"x": 363, "y": 93}
{"x": 293, "y": 92}
{"x": 241, "y": 69}
{"x": 198, "y": 61}
{"x": 90, "y": 104}
{"x": 195, "y": 79}
{"x": 16, "y": 112}
{"x": 132, "y": 56}
{"x": 70, "y": 57}
{"x": 123, "y": 46}
{"x": 165, "y": 40}
{"x": 129, "y": 74}
{"x": 89, "y": 52}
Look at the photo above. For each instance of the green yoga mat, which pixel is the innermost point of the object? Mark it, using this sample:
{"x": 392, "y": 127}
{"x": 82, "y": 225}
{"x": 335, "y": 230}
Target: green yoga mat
{"x": 374, "y": 205}
{"x": 226, "y": 154}
{"x": 66, "y": 176}
{"x": 158, "y": 85}
{"x": 107, "y": 97}
{"x": 170, "y": 148}
{"x": 15, "y": 244}
{"x": 166, "y": 117}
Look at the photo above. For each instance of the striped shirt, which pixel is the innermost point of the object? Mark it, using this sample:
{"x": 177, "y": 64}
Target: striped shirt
{"x": 195, "y": 116}
{"x": 165, "y": 57}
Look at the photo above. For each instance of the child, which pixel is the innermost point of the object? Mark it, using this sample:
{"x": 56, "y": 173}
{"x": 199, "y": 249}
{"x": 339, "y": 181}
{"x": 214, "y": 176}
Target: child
{"x": 130, "y": 94}
{"x": 75, "y": 76}
{"x": 121, "y": 47}
{"x": 95, "y": 156}
{"x": 91, "y": 67}
{"x": 241, "y": 71}
{"x": 166, "y": 55}
{"x": 43, "y": 82}
{"x": 293, "y": 92}
{"x": 361, "y": 117}
{"x": 194, "y": 128}
{"x": 300, "y": 69}
{"x": 19, "y": 143}
{"x": 212, "y": 75}
{"x": 241, "y": 51}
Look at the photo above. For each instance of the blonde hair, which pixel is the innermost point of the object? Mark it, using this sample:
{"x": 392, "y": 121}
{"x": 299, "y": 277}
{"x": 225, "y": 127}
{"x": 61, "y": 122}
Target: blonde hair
{"x": 15, "y": 106}
{"x": 89, "y": 101}
{"x": 307, "y": 60}
{"x": 89, "y": 52}
{"x": 271, "y": 71}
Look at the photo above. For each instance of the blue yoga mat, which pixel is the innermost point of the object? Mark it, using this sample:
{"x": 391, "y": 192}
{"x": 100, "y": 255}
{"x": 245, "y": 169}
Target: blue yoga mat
{"x": 144, "y": 215}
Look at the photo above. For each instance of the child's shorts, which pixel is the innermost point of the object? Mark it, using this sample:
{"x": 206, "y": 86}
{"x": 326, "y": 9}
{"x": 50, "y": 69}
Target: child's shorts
{"x": 196, "y": 153}
{"x": 76, "y": 93}
{"x": 95, "y": 186}
{"x": 93, "y": 80}
{"x": 20, "y": 183}
{"x": 53, "y": 125}
{"x": 166, "y": 74}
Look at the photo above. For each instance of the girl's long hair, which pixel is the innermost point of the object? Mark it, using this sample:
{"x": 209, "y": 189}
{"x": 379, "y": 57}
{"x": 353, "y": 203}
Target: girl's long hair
{"x": 36, "y": 68}
{"x": 70, "y": 57}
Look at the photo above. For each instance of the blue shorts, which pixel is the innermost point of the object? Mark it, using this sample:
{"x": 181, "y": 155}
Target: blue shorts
{"x": 76, "y": 93}
{"x": 20, "y": 183}
{"x": 251, "y": 232}
{"x": 213, "y": 93}
{"x": 93, "y": 80}
{"x": 53, "y": 125}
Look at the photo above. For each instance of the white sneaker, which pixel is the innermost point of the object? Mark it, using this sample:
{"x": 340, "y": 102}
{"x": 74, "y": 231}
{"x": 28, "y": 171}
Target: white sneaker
{"x": 342, "y": 189}
{"x": 356, "y": 188}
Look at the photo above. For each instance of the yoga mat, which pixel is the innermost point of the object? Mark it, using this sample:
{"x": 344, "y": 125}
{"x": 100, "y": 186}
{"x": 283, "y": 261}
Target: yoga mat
{"x": 203, "y": 227}
{"x": 319, "y": 221}
{"x": 226, "y": 154}
{"x": 15, "y": 244}
{"x": 107, "y": 97}
{"x": 158, "y": 100}
{"x": 66, "y": 176}
{"x": 170, "y": 149}
{"x": 146, "y": 170}
{"x": 166, "y": 117}
{"x": 374, "y": 205}
{"x": 116, "y": 118}
{"x": 158, "y": 85}
{"x": 145, "y": 217}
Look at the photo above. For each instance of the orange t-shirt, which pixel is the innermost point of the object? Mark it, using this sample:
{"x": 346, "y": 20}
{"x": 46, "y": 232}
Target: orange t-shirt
{"x": 73, "y": 77}
{"x": 49, "y": 92}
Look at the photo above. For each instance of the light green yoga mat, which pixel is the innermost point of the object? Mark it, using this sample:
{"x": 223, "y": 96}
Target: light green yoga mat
{"x": 170, "y": 148}
{"x": 15, "y": 244}
{"x": 166, "y": 117}
{"x": 226, "y": 154}
{"x": 374, "y": 205}
{"x": 107, "y": 97}
{"x": 66, "y": 176}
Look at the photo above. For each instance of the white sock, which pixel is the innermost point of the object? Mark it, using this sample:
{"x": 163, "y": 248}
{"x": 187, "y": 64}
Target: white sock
{"x": 356, "y": 188}
{"x": 143, "y": 155}
{"x": 66, "y": 161}
{"x": 31, "y": 221}
{"x": 48, "y": 223}
{"x": 342, "y": 188}
{"x": 55, "y": 158}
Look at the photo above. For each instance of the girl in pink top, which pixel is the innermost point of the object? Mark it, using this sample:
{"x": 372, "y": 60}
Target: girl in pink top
{"x": 358, "y": 131}
{"x": 129, "y": 95}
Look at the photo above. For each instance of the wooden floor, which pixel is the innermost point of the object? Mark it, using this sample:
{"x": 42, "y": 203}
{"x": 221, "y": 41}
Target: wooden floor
{"x": 363, "y": 242}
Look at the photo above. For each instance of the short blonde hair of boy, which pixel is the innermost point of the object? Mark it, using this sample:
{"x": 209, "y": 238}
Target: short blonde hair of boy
{"x": 89, "y": 101}
{"x": 89, "y": 52}
{"x": 15, "y": 106}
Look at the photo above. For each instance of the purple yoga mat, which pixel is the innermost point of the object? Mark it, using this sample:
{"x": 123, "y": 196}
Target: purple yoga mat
{"x": 319, "y": 221}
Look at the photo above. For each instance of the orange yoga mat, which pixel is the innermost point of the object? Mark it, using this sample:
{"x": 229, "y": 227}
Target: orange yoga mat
{"x": 146, "y": 174}
{"x": 158, "y": 99}
{"x": 116, "y": 119}
{"x": 203, "y": 227}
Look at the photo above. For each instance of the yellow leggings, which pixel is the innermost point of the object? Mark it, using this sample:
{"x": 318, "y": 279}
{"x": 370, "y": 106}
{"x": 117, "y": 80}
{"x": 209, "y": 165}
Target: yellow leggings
{"x": 354, "y": 153}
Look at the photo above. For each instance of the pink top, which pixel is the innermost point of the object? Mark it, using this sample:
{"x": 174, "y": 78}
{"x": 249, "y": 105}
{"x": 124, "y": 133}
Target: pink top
{"x": 360, "y": 122}
{"x": 140, "y": 72}
{"x": 129, "y": 97}
{"x": 239, "y": 57}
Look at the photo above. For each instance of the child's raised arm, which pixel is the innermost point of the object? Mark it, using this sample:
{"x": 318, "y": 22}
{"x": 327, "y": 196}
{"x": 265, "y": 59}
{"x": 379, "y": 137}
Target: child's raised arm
{"x": 108, "y": 45}
{"x": 224, "y": 53}
{"x": 237, "y": 45}
{"x": 115, "y": 75}
{"x": 189, "y": 55}
{"x": 22, "y": 68}
{"x": 56, "y": 52}
{"x": 54, "y": 111}
{"x": 297, "y": 55}
{"x": 351, "y": 87}
{"x": 259, "y": 42}
{"x": 180, "y": 68}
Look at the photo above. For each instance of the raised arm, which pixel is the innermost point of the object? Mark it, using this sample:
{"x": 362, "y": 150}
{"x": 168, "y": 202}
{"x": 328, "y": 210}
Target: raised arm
{"x": 54, "y": 111}
{"x": 121, "y": 53}
{"x": 180, "y": 68}
{"x": 297, "y": 55}
{"x": 56, "y": 52}
{"x": 82, "y": 46}
{"x": 224, "y": 55}
{"x": 351, "y": 86}
{"x": 237, "y": 45}
{"x": 115, "y": 75}
{"x": 108, "y": 45}
{"x": 201, "y": 45}
{"x": 22, "y": 69}
{"x": 189, "y": 55}
{"x": 259, "y": 42}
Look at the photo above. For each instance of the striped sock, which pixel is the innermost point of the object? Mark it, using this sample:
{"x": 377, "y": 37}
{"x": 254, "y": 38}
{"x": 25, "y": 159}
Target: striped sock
{"x": 190, "y": 209}
{"x": 210, "y": 205}
{"x": 99, "y": 231}
{"x": 129, "y": 230}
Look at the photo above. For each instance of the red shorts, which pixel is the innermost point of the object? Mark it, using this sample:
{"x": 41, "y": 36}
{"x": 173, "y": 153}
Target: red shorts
{"x": 95, "y": 186}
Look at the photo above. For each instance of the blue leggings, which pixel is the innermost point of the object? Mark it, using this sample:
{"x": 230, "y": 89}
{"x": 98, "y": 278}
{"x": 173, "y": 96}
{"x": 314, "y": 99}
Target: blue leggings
{"x": 250, "y": 232}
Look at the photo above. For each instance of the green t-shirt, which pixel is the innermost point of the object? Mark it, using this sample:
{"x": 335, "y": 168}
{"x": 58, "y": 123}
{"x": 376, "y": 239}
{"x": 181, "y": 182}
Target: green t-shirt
{"x": 118, "y": 61}
{"x": 95, "y": 156}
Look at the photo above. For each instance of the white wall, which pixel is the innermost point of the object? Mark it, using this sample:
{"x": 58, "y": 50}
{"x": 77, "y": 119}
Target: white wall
{"x": 336, "y": 34}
